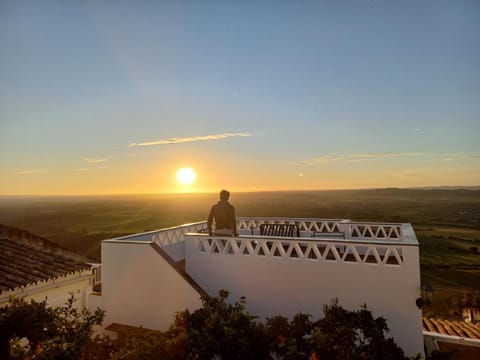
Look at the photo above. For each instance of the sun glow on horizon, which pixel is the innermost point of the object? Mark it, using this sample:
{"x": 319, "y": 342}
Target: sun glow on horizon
{"x": 186, "y": 175}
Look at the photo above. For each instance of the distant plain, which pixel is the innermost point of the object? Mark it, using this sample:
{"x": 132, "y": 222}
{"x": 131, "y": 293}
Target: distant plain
{"x": 447, "y": 222}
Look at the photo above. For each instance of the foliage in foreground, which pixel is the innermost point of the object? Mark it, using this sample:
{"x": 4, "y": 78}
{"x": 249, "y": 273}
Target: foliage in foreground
{"x": 217, "y": 330}
{"x": 221, "y": 330}
{"x": 52, "y": 333}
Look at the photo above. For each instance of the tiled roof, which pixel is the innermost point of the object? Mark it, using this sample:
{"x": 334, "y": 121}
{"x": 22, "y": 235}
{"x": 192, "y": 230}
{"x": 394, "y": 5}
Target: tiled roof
{"x": 453, "y": 328}
{"x": 124, "y": 332}
{"x": 128, "y": 329}
{"x": 26, "y": 260}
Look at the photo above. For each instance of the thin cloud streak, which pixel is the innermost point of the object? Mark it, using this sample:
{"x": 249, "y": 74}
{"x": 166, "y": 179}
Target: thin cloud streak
{"x": 357, "y": 157}
{"x": 179, "y": 140}
{"x": 96, "y": 161}
{"x": 459, "y": 157}
{"x": 27, "y": 172}
{"x": 383, "y": 155}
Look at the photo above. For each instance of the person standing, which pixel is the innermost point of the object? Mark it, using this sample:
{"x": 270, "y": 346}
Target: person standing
{"x": 224, "y": 215}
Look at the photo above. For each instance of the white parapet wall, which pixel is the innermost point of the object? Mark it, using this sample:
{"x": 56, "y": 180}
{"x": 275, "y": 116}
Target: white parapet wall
{"x": 55, "y": 291}
{"x": 140, "y": 288}
{"x": 290, "y": 275}
{"x": 358, "y": 263}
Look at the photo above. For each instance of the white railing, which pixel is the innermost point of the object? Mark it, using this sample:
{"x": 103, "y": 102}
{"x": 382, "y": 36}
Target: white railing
{"x": 319, "y": 225}
{"x": 351, "y": 230}
{"x": 362, "y": 231}
{"x": 176, "y": 234}
{"x": 302, "y": 249}
{"x": 373, "y": 231}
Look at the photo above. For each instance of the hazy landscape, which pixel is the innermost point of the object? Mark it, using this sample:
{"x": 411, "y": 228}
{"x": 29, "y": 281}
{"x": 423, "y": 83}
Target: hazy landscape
{"x": 446, "y": 221}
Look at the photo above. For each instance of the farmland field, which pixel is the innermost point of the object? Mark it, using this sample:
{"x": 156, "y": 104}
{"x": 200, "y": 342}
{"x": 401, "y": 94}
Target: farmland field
{"x": 447, "y": 222}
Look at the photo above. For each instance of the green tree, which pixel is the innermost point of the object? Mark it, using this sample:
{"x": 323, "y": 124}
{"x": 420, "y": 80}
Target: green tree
{"x": 142, "y": 344}
{"x": 225, "y": 331}
{"x": 290, "y": 340}
{"x": 349, "y": 335}
{"x": 52, "y": 333}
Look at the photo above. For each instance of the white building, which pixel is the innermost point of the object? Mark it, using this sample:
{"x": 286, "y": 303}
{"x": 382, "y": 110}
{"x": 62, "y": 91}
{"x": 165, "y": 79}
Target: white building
{"x": 289, "y": 266}
{"x": 35, "y": 268}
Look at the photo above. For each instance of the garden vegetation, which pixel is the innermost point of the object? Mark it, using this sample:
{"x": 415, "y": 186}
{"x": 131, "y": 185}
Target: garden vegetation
{"x": 218, "y": 330}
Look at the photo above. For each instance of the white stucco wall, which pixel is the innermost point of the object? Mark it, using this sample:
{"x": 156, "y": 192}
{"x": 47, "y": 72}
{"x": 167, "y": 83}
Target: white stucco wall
{"x": 140, "y": 288}
{"x": 286, "y": 286}
{"x": 56, "y": 291}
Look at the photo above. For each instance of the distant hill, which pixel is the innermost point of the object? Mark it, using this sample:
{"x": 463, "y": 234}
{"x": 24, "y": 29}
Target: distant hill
{"x": 447, "y": 188}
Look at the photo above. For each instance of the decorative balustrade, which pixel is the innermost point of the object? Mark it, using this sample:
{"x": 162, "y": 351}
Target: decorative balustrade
{"x": 319, "y": 225}
{"x": 302, "y": 249}
{"x": 176, "y": 234}
{"x": 324, "y": 228}
{"x": 351, "y": 230}
{"x": 373, "y": 231}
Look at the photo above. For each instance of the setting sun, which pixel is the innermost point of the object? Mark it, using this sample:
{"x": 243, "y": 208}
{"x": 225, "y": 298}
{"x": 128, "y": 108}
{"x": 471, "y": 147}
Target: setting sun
{"x": 186, "y": 175}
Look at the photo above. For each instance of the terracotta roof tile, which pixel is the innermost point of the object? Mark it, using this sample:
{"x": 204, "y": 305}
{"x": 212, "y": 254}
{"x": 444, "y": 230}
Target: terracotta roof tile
{"x": 27, "y": 259}
{"x": 453, "y": 328}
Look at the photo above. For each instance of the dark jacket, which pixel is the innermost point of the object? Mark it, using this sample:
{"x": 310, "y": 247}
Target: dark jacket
{"x": 224, "y": 214}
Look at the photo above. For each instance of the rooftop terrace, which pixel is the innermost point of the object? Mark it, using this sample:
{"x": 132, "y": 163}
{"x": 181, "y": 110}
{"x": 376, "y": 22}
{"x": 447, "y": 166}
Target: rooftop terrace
{"x": 281, "y": 266}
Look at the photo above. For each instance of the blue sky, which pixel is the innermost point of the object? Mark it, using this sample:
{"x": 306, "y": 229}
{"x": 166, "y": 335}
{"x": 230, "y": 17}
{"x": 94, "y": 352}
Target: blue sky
{"x": 254, "y": 95}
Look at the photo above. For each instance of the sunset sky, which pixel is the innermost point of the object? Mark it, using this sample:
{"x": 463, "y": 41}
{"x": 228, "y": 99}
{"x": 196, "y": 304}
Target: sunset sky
{"x": 108, "y": 97}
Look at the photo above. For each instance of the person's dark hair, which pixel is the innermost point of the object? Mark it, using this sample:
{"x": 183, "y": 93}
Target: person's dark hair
{"x": 224, "y": 195}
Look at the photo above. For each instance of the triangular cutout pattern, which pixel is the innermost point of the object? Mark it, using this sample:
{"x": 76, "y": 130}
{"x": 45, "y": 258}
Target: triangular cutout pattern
{"x": 261, "y": 252}
{"x": 215, "y": 248}
{"x": 293, "y": 253}
{"x": 276, "y": 252}
{"x": 309, "y": 225}
{"x": 381, "y": 233}
{"x": 399, "y": 255}
{"x": 370, "y": 257}
{"x": 269, "y": 246}
{"x": 303, "y": 248}
{"x": 322, "y": 249}
{"x": 228, "y": 249}
{"x": 309, "y": 250}
{"x": 368, "y": 232}
{"x": 382, "y": 252}
{"x": 316, "y": 251}
{"x": 390, "y": 258}
{"x": 394, "y": 256}
{"x": 355, "y": 232}
{"x": 350, "y": 255}
{"x": 330, "y": 254}
{"x": 257, "y": 245}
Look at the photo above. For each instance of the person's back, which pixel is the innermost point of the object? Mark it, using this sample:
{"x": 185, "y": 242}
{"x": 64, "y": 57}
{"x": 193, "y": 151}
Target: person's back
{"x": 224, "y": 214}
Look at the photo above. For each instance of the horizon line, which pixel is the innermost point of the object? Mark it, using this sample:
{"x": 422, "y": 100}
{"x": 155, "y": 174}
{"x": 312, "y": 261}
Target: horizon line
{"x": 425, "y": 187}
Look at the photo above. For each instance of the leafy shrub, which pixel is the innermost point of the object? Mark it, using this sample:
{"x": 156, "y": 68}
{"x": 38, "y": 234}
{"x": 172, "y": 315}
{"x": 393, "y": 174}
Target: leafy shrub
{"x": 290, "y": 340}
{"x": 226, "y": 331}
{"x": 345, "y": 335}
{"x": 52, "y": 333}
